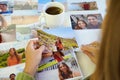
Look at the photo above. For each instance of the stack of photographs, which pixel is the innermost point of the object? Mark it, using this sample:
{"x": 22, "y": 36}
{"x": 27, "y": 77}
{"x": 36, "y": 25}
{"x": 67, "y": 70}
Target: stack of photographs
{"x": 59, "y": 59}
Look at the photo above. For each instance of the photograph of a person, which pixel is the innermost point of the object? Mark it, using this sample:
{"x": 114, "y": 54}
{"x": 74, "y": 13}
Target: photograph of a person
{"x": 57, "y": 44}
{"x": 11, "y": 57}
{"x": 41, "y": 3}
{"x": 6, "y": 7}
{"x": 25, "y": 4}
{"x": 82, "y": 6}
{"x": 65, "y": 72}
{"x": 67, "y": 69}
{"x": 14, "y": 58}
{"x": 12, "y": 76}
{"x": 88, "y": 21}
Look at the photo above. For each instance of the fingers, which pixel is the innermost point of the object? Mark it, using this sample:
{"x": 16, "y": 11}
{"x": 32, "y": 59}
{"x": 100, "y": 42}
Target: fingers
{"x": 41, "y": 49}
{"x": 31, "y": 44}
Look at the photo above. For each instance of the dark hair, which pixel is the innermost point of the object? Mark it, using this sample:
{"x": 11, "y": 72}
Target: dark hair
{"x": 59, "y": 40}
{"x": 3, "y": 4}
{"x": 91, "y": 15}
{"x": 15, "y": 53}
{"x": 11, "y": 75}
{"x": 61, "y": 73}
{"x": 82, "y": 21}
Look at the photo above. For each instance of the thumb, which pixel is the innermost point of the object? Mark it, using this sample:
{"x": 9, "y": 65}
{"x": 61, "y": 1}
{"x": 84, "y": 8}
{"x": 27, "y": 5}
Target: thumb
{"x": 41, "y": 49}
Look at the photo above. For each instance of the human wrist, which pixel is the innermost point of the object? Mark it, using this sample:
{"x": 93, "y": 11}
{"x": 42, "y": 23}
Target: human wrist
{"x": 31, "y": 70}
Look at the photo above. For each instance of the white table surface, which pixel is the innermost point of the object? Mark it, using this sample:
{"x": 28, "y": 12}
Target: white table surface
{"x": 86, "y": 65}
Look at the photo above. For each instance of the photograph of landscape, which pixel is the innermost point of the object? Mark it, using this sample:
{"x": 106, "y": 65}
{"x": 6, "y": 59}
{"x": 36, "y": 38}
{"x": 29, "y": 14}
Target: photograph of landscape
{"x": 25, "y": 4}
{"x": 48, "y": 37}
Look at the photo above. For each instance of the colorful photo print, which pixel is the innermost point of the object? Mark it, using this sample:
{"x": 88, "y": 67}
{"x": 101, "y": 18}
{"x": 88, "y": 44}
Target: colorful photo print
{"x": 58, "y": 45}
{"x": 25, "y": 33}
{"x": 81, "y": 6}
{"x": 6, "y": 7}
{"x": 26, "y": 26}
{"x": 25, "y": 4}
{"x": 8, "y": 34}
{"x": 24, "y": 19}
{"x": 88, "y": 21}
{"x": 41, "y": 3}
{"x": 7, "y": 61}
{"x": 14, "y": 64}
{"x": 66, "y": 69}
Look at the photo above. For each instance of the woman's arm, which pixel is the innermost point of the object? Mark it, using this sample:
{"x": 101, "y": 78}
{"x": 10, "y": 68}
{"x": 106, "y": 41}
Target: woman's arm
{"x": 91, "y": 50}
{"x": 8, "y": 61}
{"x": 20, "y": 58}
{"x": 33, "y": 58}
{"x": 24, "y": 76}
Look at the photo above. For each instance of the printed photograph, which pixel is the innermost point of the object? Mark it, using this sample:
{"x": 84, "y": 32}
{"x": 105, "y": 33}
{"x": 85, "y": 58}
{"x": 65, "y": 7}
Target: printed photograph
{"x": 66, "y": 69}
{"x": 12, "y": 58}
{"x": 25, "y": 32}
{"x": 7, "y": 59}
{"x": 26, "y": 26}
{"x": 58, "y": 45}
{"x": 25, "y": 4}
{"x": 41, "y": 3}
{"x": 6, "y": 7}
{"x": 24, "y": 19}
{"x": 8, "y": 34}
{"x": 82, "y": 6}
{"x": 88, "y": 21}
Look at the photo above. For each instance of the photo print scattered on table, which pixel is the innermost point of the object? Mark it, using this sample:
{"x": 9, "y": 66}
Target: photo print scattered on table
{"x": 25, "y": 33}
{"x": 82, "y": 6}
{"x": 25, "y": 4}
{"x": 12, "y": 65}
{"x": 6, "y": 7}
{"x": 6, "y": 51}
{"x": 26, "y": 26}
{"x": 57, "y": 45}
{"x": 58, "y": 70}
{"x": 24, "y": 19}
{"x": 86, "y": 21}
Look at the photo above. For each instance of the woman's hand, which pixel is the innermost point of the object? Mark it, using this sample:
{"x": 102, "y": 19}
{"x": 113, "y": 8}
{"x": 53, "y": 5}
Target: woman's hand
{"x": 91, "y": 50}
{"x": 33, "y": 57}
